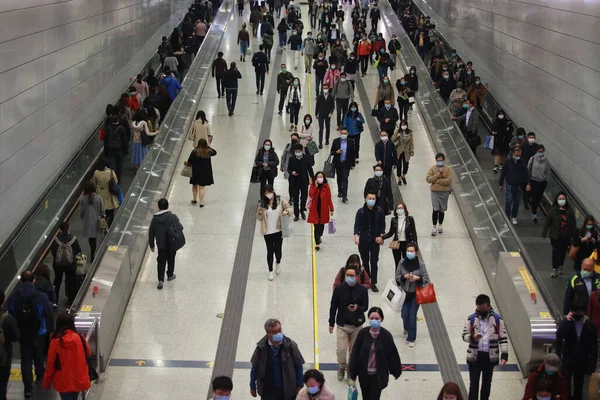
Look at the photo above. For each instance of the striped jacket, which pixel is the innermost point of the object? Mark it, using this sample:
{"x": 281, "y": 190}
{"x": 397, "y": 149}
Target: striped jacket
{"x": 498, "y": 340}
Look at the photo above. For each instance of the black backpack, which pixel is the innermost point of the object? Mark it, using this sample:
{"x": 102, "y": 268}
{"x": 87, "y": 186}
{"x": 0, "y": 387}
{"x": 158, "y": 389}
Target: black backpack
{"x": 175, "y": 236}
{"x": 28, "y": 319}
{"x": 113, "y": 138}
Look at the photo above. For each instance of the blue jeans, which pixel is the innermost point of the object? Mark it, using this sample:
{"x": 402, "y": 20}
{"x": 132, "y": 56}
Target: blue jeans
{"x": 243, "y": 47}
{"x": 513, "y": 196}
{"x": 409, "y": 316}
{"x": 282, "y": 39}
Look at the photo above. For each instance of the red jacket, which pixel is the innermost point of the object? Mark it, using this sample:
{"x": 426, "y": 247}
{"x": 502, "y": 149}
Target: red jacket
{"x": 70, "y": 356}
{"x": 362, "y": 279}
{"x": 378, "y": 45}
{"x": 326, "y": 204}
{"x": 133, "y": 102}
{"x": 593, "y": 311}
{"x": 364, "y": 48}
{"x": 560, "y": 384}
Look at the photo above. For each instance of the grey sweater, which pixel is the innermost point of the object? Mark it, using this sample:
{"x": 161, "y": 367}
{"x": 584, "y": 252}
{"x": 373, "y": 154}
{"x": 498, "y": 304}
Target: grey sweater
{"x": 538, "y": 168}
{"x": 343, "y": 90}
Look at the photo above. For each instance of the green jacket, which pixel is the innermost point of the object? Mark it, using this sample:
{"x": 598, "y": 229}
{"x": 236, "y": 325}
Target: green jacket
{"x": 282, "y": 85}
{"x": 267, "y": 40}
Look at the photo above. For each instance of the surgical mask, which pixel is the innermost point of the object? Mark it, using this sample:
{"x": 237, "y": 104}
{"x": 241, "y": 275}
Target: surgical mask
{"x": 321, "y": 58}
{"x": 325, "y": 91}
{"x": 404, "y": 127}
{"x": 353, "y": 109}
{"x": 453, "y": 54}
{"x": 384, "y": 138}
{"x": 517, "y": 158}
{"x": 386, "y": 81}
{"x": 446, "y": 76}
{"x": 543, "y": 398}
{"x": 400, "y": 210}
{"x": 269, "y": 195}
{"x": 350, "y": 280}
{"x": 579, "y": 317}
{"x": 312, "y": 390}
{"x": 540, "y": 154}
{"x": 410, "y": 255}
{"x": 332, "y": 66}
{"x": 320, "y": 181}
{"x": 371, "y": 203}
{"x": 549, "y": 372}
{"x": 477, "y": 82}
{"x": 589, "y": 227}
{"x": 412, "y": 72}
{"x": 307, "y": 121}
{"x": 295, "y": 33}
{"x": 296, "y": 83}
{"x": 439, "y": 163}
{"x": 267, "y": 147}
{"x": 283, "y": 70}
{"x": 469, "y": 72}
{"x": 466, "y": 106}
{"x": 375, "y": 323}
{"x": 222, "y": 398}
{"x": 277, "y": 338}
{"x": 521, "y": 137}
{"x": 298, "y": 154}
{"x": 445, "y": 68}
{"x": 309, "y": 37}
{"x": 382, "y": 51}
{"x": 378, "y": 173}
{"x": 531, "y": 141}
{"x": 402, "y": 83}
{"x": 388, "y": 106}
{"x": 343, "y": 79}
{"x": 343, "y": 137}
{"x": 561, "y": 202}
{"x": 352, "y": 57}
{"x": 500, "y": 116}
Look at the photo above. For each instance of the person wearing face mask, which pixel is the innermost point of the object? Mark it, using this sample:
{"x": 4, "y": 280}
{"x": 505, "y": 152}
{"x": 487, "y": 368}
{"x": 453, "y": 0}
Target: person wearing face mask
{"x": 309, "y": 48}
{"x": 560, "y": 226}
{"x": 284, "y": 81}
{"x": 374, "y": 357}
{"x": 267, "y": 160}
{"x": 333, "y": 35}
{"x": 476, "y": 92}
{"x": 320, "y": 66}
{"x": 294, "y": 101}
{"x": 282, "y": 30}
{"x": 324, "y": 107}
{"x": 295, "y": 42}
{"x": 539, "y": 169}
{"x": 364, "y": 52}
{"x": 315, "y": 387}
{"x": 581, "y": 285}
{"x": 446, "y": 85}
{"x": 513, "y": 179}
{"x": 387, "y": 115}
{"x": 348, "y": 305}
{"x": 332, "y": 76}
{"x": 222, "y": 386}
{"x": 385, "y": 63}
{"x": 320, "y": 206}
{"x": 585, "y": 242}
{"x": 287, "y": 155}
{"x": 502, "y": 133}
{"x": 343, "y": 91}
{"x": 403, "y": 98}
{"x": 375, "y": 16}
{"x": 468, "y": 122}
{"x": 403, "y": 230}
{"x": 351, "y": 69}
{"x": 485, "y": 333}
{"x": 549, "y": 373}
{"x": 380, "y": 184}
{"x": 577, "y": 346}
{"x": 394, "y": 47}
{"x": 338, "y": 54}
{"x": 306, "y": 131}
{"x": 344, "y": 160}
{"x": 422, "y": 45}
{"x": 386, "y": 156}
{"x": 518, "y": 141}
{"x": 410, "y": 273}
{"x": 369, "y": 229}
{"x": 354, "y": 122}
{"x": 439, "y": 177}
{"x": 276, "y": 371}
{"x": 300, "y": 172}
{"x": 362, "y": 278}
{"x": 405, "y": 148}
{"x": 450, "y": 391}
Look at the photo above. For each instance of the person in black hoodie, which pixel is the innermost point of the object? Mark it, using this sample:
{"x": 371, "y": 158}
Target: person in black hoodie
{"x": 386, "y": 155}
{"x": 261, "y": 67}
{"x": 158, "y": 236}
{"x": 10, "y": 329}
{"x": 115, "y": 145}
{"x": 446, "y": 85}
{"x": 560, "y": 227}
{"x": 412, "y": 82}
{"x": 349, "y": 303}
{"x": 369, "y": 228}
{"x": 577, "y": 345}
{"x": 378, "y": 342}
{"x": 320, "y": 66}
{"x": 323, "y": 111}
{"x": 513, "y": 180}
{"x": 299, "y": 170}
{"x": 381, "y": 186}
{"x": 61, "y": 266}
{"x": 585, "y": 241}
{"x": 387, "y": 117}
{"x": 404, "y": 230}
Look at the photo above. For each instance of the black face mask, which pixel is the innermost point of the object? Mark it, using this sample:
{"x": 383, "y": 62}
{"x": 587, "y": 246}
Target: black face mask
{"x": 578, "y": 317}
{"x": 483, "y": 314}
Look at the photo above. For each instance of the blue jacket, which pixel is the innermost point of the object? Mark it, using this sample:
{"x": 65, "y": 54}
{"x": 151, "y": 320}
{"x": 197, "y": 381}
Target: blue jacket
{"x": 351, "y": 123}
{"x": 172, "y": 85}
{"x": 369, "y": 224}
{"x": 44, "y": 307}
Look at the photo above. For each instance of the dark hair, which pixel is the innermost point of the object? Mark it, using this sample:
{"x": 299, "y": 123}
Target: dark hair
{"x": 314, "y": 374}
{"x": 579, "y": 305}
{"x": 27, "y": 276}
{"x": 377, "y": 165}
{"x": 440, "y": 155}
{"x": 232, "y": 65}
{"x": 139, "y": 116}
{"x": 353, "y": 259}
{"x": 396, "y": 209}
{"x": 264, "y": 202}
{"x": 542, "y": 147}
{"x": 89, "y": 189}
{"x": 166, "y": 69}
{"x": 151, "y": 71}
{"x": 102, "y": 163}
{"x": 201, "y": 115}
{"x": 482, "y": 299}
{"x": 64, "y": 226}
{"x": 138, "y": 78}
{"x": 413, "y": 244}
{"x": 350, "y": 112}
{"x": 42, "y": 270}
{"x": 220, "y": 54}
{"x": 555, "y": 204}
{"x": 324, "y": 178}
{"x": 309, "y": 116}
{"x": 295, "y": 135}
{"x": 110, "y": 109}
{"x": 163, "y": 204}
{"x": 588, "y": 218}
{"x": 530, "y": 134}
{"x": 452, "y": 389}
{"x": 265, "y": 142}
{"x": 222, "y": 382}
{"x": 500, "y": 112}
{"x": 375, "y": 310}
{"x": 297, "y": 146}
{"x": 261, "y": 47}
{"x": 64, "y": 322}
{"x": 520, "y": 131}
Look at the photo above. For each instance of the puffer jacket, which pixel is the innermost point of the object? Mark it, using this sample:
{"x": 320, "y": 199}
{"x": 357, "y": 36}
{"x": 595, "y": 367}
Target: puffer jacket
{"x": 67, "y": 368}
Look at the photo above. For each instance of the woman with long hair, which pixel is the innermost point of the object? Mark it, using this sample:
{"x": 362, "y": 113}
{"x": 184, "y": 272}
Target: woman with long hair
{"x": 142, "y": 137}
{"x": 141, "y": 87}
{"x": 405, "y": 148}
{"x": 101, "y": 178}
{"x": 362, "y": 277}
{"x": 586, "y": 240}
{"x": 202, "y": 174}
{"x": 320, "y": 208}
{"x": 267, "y": 159}
{"x": 294, "y": 101}
{"x": 200, "y": 129}
{"x": 91, "y": 210}
{"x": 560, "y": 227}
{"x": 66, "y": 366}
{"x": 403, "y": 229}
{"x": 450, "y": 391}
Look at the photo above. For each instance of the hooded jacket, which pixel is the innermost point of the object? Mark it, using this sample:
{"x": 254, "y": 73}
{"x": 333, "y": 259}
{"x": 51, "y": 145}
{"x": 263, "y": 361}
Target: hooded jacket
{"x": 159, "y": 227}
{"x": 67, "y": 368}
{"x": 43, "y": 306}
{"x": 560, "y": 384}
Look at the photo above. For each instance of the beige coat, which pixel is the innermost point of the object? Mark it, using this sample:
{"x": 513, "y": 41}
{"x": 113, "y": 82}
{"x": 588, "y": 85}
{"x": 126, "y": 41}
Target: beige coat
{"x": 101, "y": 179}
{"x": 407, "y": 147}
{"x": 439, "y": 183}
{"x": 282, "y": 205}
{"x": 199, "y": 131}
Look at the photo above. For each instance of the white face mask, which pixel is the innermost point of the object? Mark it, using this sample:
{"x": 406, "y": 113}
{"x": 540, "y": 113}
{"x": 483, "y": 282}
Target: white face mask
{"x": 307, "y": 121}
{"x": 400, "y": 211}
{"x": 531, "y": 141}
{"x": 500, "y": 116}
{"x": 320, "y": 180}
{"x": 384, "y": 138}
{"x": 561, "y": 202}
{"x": 404, "y": 127}
{"x": 269, "y": 195}
{"x": 325, "y": 91}
{"x": 267, "y": 147}
{"x": 343, "y": 137}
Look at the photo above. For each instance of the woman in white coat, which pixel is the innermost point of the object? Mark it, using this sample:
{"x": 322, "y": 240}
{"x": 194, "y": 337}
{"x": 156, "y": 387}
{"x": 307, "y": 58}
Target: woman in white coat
{"x": 294, "y": 101}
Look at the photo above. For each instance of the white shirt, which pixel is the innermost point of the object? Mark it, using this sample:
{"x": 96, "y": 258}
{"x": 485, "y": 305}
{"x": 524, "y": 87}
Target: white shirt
{"x": 484, "y": 342}
{"x": 272, "y": 217}
{"x": 401, "y": 226}
{"x": 468, "y": 116}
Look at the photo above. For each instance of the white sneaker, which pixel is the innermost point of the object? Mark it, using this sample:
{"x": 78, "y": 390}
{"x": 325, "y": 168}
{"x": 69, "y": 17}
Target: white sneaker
{"x": 554, "y": 273}
{"x": 271, "y": 276}
{"x": 278, "y": 269}
{"x": 440, "y": 230}
{"x": 411, "y": 344}
{"x": 434, "y": 232}
{"x": 514, "y": 221}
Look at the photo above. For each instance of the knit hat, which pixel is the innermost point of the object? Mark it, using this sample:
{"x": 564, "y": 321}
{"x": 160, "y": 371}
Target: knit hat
{"x": 552, "y": 362}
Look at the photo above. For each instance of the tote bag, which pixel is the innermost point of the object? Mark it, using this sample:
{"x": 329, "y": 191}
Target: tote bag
{"x": 425, "y": 294}
{"x": 393, "y": 296}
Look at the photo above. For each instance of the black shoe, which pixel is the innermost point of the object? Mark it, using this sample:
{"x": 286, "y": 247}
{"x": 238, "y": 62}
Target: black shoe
{"x": 374, "y": 287}
{"x": 526, "y": 206}
{"x": 321, "y": 146}
{"x": 327, "y": 143}
{"x": 404, "y": 180}
{"x": 257, "y": 92}
{"x": 27, "y": 395}
{"x": 160, "y": 285}
{"x": 261, "y": 93}
{"x": 399, "y": 182}
{"x": 172, "y": 277}
{"x": 280, "y": 112}
{"x": 356, "y": 161}
{"x": 303, "y": 215}
{"x": 194, "y": 202}
{"x": 340, "y": 195}
{"x": 296, "y": 218}
{"x": 241, "y": 58}
{"x": 230, "y": 113}
{"x": 345, "y": 200}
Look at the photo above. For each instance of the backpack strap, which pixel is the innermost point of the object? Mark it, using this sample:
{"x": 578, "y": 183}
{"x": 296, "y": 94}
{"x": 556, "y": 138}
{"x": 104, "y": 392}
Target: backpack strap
{"x": 73, "y": 239}
{"x": 2, "y": 321}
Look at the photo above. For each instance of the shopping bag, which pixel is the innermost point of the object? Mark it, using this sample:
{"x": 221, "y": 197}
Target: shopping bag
{"x": 376, "y": 64}
{"x": 120, "y": 197}
{"x": 352, "y": 393}
{"x": 248, "y": 51}
{"x": 186, "y": 171}
{"x": 393, "y": 296}
{"x": 312, "y": 148}
{"x": 411, "y": 100}
{"x": 328, "y": 168}
{"x": 255, "y": 176}
{"x": 286, "y": 226}
{"x": 374, "y": 112}
{"x": 425, "y": 294}
{"x": 331, "y": 226}
{"x": 489, "y": 142}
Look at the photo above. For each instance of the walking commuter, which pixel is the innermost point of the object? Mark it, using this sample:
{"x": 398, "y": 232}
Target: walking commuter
{"x": 354, "y": 123}
{"x": 513, "y": 180}
{"x": 219, "y": 67}
{"x": 91, "y": 211}
{"x": 270, "y": 210}
{"x": 468, "y": 123}
{"x": 585, "y": 242}
{"x": 320, "y": 66}
{"x": 488, "y": 346}
{"x": 548, "y": 372}
{"x": 363, "y": 51}
{"x": 67, "y": 369}
{"x": 412, "y": 82}
{"x": 64, "y": 249}
{"x": 375, "y": 16}
{"x": 403, "y": 99}
{"x": 31, "y": 309}
{"x": 309, "y": 50}
{"x": 141, "y": 137}
{"x": 286, "y": 156}
{"x": 284, "y": 81}
{"x": 102, "y": 180}
{"x": 410, "y": 274}
{"x": 387, "y": 117}
{"x": 243, "y": 41}
{"x": 332, "y": 75}
{"x": 385, "y": 91}
{"x": 385, "y": 154}
{"x": 282, "y": 29}
{"x": 405, "y": 148}
{"x": 266, "y": 159}
{"x": 450, "y": 391}
{"x": 581, "y": 285}
{"x": 141, "y": 87}
{"x": 115, "y": 145}
{"x": 320, "y": 209}
{"x": 403, "y": 230}
{"x": 202, "y": 174}
{"x": 502, "y": 134}
{"x": 44, "y": 285}
{"x": 10, "y": 329}
{"x": 171, "y": 83}
{"x": 276, "y": 372}
{"x": 374, "y": 357}
{"x": 560, "y": 226}
{"x": 351, "y": 69}
{"x": 230, "y": 81}
{"x": 362, "y": 277}
{"x": 439, "y": 177}
{"x": 163, "y": 49}
{"x": 295, "y": 42}
{"x": 381, "y": 186}
{"x": 538, "y": 168}
{"x": 315, "y": 387}
{"x": 222, "y": 386}
{"x": 294, "y": 102}
{"x": 348, "y": 305}
{"x": 261, "y": 68}
{"x": 577, "y": 346}
{"x": 170, "y": 62}
{"x": 529, "y": 147}
{"x": 343, "y": 151}
{"x": 324, "y": 107}
{"x": 306, "y": 130}
{"x": 343, "y": 92}
{"x": 200, "y": 129}
{"x": 255, "y": 20}
{"x": 446, "y": 85}
{"x": 460, "y": 95}
{"x": 369, "y": 229}
{"x": 394, "y": 47}
{"x": 158, "y": 237}
{"x": 300, "y": 171}
{"x": 267, "y": 40}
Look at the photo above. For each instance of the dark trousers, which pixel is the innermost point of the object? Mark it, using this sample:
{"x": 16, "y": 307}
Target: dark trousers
{"x": 324, "y": 121}
{"x": 403, "y": 110}
{"x": 115, "y": 161}
{"x": 342, "y": 172}
{"x": 318, "y": 83}
{"x": 370, "y": 387}
{"x": 318, "y": 234}
{"x": 273, "y": 393}
{"x": 260, "y": 81}
{"x": 313, "y": 21}
{"x": 402, "y": 167}
{"x": 282, "y": 96}
{"x": 32, "y": 353}
{"x": 92, "y": 242}
{"x": 559, "y": 251}
{"x": 364, "y": 63}
{"x": 576, "y": 380}
{"x": 513, "y": 196}
{"x": 399, "y": 254}
{"x": 356, "y": 139}
{"x": 294, "y": 111}
{"x": 342, "y": 108}
{"x": 274, "y": 242}
{"x": 70, "y": 282}
{"x": 536, "y": 193}
{"x": 481, "y": 369}
{"x": 69, "y": 396}
{"x": 110, "y": 216}
{"x": 165, "y": 257}
{"x": 220, "y": 85}
{"x": 268, "y": 52}
{"x": 231, "y": 97}
{"x": 437, "y": 216}
{"x": 266, "y": 179}
{"x": 299, "y": 194}
{"x": 4, "y": 378}
{"x": 369, "y": 253}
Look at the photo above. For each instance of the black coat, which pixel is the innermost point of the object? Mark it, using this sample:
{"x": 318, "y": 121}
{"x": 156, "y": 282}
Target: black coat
{"x": 350, "y": 152}
{"x": 11, "y": 334}
{"x": 202, "y": 173}
{"x": 324, "y": 106}
{"x": 502, "y": 137}
{"x": 410, "y": 230}
{"x": 386, "y": 153}
{"x": 577, "y": 354}
{"x": 384, "y": 114}
{"x": 320, "y": 66}
{"x": 383, "y": 189}
{"x": 65, "y": 238}
{"x": 343, "y": 296}
{"x": 303, "y": 167}
{"x": 386, "y": 354}
{"x": 273, "y": 160}
{"x": 230, "y": 78}
{"x": 260, "y": 62}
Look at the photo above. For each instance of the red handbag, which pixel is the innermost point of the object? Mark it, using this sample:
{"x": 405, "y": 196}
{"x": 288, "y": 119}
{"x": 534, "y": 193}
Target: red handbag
{"x": 425, "y": 294}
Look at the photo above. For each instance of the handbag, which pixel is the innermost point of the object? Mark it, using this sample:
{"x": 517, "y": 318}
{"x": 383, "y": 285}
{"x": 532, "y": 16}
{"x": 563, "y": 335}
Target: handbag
{"x": 312, "y": 148}
{"x": 210, "y": 139}
{"x": 573, "y": 252}
{"x": 248, "y": 51}
{"x": 186, "y": 171}
{"x": 352, "y": 392}
{"x": 92, "y": 373}
{"x": 331, "y": 226}
{"x": 113, "y": 188}
{"x": 255, "y": 175}
{"x": 81, "y": 260}
{"x": 329, "y": 168}
{"x": 286, "y": 226}
{"x": 394, "y": 296}
{"x": 394, "y": 245}
{"x": 102, "y": 224}
{"x": 425, "y": 294}
{"x": 411, "y": 100}
{"x": 376, "y": 64}
{"x": 374, "y": 112}
{"x": 489, "y": 142}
